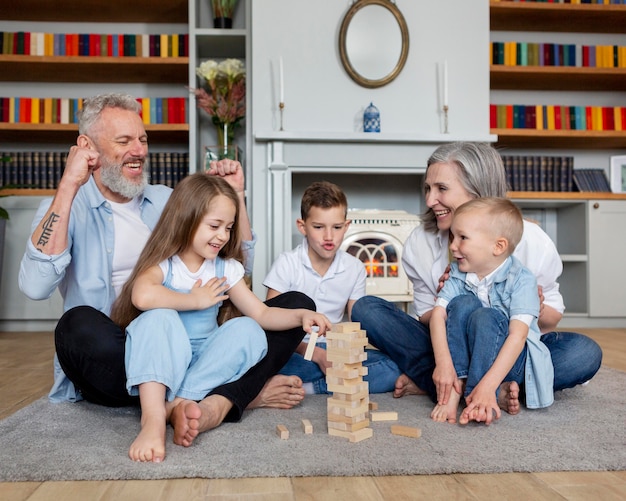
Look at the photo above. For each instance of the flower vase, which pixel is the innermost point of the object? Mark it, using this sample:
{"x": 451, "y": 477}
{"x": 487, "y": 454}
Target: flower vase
{"x": 223, "y": 13}
{"x": 226, "y": 147}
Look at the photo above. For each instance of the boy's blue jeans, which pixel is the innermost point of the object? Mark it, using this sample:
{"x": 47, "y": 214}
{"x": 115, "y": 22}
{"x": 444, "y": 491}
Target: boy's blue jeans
{"x": 382, "y": 372}
{"x": 475, "y": 337}
{"x": 576, "y": 358}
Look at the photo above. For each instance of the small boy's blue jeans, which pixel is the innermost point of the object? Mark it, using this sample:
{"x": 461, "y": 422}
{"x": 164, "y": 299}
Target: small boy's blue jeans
{"x": 475, "y": 337}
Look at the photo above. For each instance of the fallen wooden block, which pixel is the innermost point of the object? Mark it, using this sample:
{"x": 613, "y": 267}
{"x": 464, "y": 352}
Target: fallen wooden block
{"x": 307, "y": 426}
{"x": 373, "y": 406}
{"x": 406, "y": 431}
{"x": 384, "y": 416}
{"x": 282, "y": 432}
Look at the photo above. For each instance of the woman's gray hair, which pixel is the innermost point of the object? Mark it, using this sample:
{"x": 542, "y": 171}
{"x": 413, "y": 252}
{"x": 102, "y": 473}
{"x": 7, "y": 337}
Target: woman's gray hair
{"x": 481, "y": 172}
{"x": 93, "y": 106}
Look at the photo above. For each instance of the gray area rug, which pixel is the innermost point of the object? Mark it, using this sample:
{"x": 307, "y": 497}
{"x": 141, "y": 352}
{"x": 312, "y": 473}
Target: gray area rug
{"x": 583, "y": 431}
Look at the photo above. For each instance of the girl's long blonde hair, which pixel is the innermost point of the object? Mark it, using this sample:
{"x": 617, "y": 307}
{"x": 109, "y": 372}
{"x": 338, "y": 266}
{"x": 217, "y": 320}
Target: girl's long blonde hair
{"x": 174, "y": 233}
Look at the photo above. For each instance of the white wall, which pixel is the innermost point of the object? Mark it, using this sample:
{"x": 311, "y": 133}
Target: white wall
{"x": 319, "y": 94}
{"x": 320, "y": 97}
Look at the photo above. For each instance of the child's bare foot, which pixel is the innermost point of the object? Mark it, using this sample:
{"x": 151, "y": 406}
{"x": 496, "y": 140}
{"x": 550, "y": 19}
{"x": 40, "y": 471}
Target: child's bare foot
{"x": 508, "y": 398}
{"x": 405, "y": 386}
{"x": 150, "y": 443}
{"x": 280, "y": 392}
{"x": 447, "y": 413}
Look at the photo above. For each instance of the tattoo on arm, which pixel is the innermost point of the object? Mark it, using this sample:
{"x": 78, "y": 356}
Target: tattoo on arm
{"x": 47, "y": 230}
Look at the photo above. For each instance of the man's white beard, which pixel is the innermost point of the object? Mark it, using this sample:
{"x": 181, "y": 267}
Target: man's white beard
{"x": 111, "y": 176}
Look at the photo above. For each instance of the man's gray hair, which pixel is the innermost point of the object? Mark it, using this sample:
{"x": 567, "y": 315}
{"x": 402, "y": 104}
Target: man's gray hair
{"x": 93, "y": 106}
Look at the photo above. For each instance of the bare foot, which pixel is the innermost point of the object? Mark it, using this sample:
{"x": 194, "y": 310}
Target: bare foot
{"x": 185, "y": 419}
{"x": 190, "y": 418}
{"x": 447, "y": 413}
{"x": 150, "y": 443}
{"x": 405, "y": 386}
{"x": 508, "y": 398}
{"x": 280, "y": 392}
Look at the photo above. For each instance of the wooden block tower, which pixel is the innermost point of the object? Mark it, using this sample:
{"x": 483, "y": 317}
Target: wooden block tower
{"x": 348, "y": 408}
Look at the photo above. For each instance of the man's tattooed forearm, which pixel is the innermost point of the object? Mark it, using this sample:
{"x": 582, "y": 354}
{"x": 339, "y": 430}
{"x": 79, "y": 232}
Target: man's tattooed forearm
{"x": 47, "y": 230}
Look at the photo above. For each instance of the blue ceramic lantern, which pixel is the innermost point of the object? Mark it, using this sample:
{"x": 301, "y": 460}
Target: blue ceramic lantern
{"x": 371, "y": 119}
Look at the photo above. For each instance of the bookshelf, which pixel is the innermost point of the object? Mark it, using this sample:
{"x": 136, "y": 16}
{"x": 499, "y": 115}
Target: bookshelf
{"x": 87, "y": 75}
{"x": 207, "y": 42}
{"x": 535, "y": 16}
{"x": 563, "y": 18}
{"x": 586, "y": 227}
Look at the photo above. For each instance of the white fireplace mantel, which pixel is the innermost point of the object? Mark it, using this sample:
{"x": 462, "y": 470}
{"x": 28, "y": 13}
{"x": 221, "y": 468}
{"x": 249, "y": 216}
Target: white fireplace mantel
{"x": 335, "y": 152}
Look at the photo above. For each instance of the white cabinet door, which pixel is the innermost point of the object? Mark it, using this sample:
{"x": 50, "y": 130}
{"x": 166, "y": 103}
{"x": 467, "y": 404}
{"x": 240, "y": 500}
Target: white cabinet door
{"x": 607, "y": 258}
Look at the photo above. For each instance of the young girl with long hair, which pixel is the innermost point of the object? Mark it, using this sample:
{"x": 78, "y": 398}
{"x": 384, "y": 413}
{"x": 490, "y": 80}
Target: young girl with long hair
{"x": 176, "y": 352}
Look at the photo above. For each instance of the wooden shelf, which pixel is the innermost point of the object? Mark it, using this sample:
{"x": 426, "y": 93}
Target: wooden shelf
{"x": 564, "y": 18}
{"x": 82, "y": 69}
{"x": 557, "y": 78}
{"x": 560, "y": 195}
{"x": 97, "y": 11}
{"x": 21, "y": 192}
{"x": 569, "y": 139}
{"x": 67, "y": 133}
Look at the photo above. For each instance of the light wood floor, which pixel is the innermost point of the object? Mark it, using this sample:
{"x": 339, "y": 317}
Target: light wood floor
{"x": 26, "y": 375}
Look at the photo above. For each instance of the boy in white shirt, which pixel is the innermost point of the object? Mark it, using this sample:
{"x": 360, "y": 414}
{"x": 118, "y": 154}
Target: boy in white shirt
{"x": 330, "y": 276}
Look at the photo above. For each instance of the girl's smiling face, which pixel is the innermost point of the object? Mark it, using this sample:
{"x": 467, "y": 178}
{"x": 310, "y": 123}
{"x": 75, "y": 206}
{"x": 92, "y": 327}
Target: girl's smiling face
{"x": 212, "y": 233}
{"x": 444, "y": 192}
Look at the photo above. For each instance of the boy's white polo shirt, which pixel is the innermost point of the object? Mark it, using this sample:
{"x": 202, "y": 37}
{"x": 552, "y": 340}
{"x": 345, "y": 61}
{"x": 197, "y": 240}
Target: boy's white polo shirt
{"x": 344, "y": 280}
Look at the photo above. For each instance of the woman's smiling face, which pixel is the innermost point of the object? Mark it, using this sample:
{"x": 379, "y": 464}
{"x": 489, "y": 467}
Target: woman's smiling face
{"x": 444, "y": 192}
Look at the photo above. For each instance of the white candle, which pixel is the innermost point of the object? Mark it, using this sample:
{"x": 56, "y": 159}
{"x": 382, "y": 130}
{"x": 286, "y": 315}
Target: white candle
{"x": 281, "y": 80}
{"x": 445, "y": 83}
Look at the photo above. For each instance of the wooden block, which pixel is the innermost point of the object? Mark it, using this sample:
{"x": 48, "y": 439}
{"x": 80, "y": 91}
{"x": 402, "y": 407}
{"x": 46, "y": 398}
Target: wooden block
{"x": 307, "y": 427}
{"x": 348, "y": 343}
{"x": 308, "y": 354}
{"x": 334, "y": 357}
{"x": 364, "y": 393}
{"x": 406, "y": 431}
{"x": 384, "y": 416}
{"x": 353, "y": 436}
{"x": 347, "y": 411}
{"x": 282, "y": 432}
{"x": 373, "y": 406}
{"x": 338, "y": 418}
{"x": 346, "y": 327}
{"x": 349, "y": 388}
{"x": 337, "y": 425}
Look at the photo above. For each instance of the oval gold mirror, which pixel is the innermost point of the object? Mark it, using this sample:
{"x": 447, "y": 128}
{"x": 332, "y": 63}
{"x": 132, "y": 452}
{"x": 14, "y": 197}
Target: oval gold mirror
{"x": 373, "y": 42}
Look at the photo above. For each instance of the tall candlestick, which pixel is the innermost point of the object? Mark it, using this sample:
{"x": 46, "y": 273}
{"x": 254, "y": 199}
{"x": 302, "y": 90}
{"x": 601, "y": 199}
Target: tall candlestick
{"x": 445, "y": 83}
{"x": 281, "y": 80}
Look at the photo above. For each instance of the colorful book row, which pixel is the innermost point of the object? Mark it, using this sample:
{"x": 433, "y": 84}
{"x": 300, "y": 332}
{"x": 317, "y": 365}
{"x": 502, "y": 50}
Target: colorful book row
{"x": 556, "y": 117}
{"x": 551, "y": 54}
{"x": 43, "y": 169}
{"x": 93, "y": 44}
{"x": 576, "y": 2}
{"x": 51, "y": 110}
{"x": 539, "y": 173}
